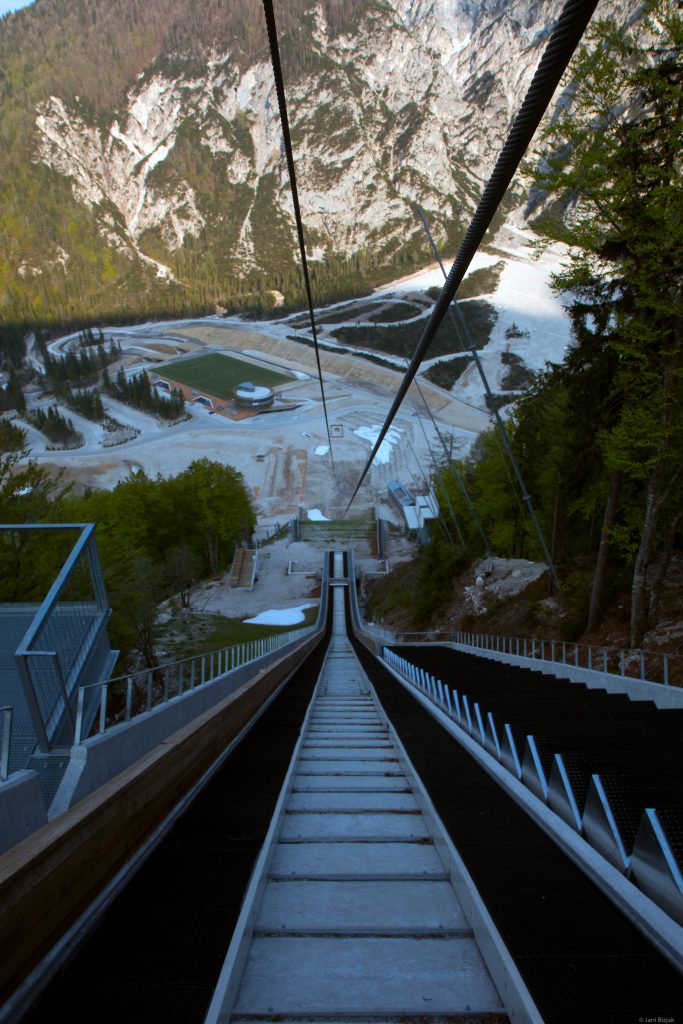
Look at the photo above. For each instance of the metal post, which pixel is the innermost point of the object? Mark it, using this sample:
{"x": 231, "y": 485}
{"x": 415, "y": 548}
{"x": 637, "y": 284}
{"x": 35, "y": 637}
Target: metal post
{"x": 6, "y": 740}
{"x": 666, "y": 669}
{"x": 621, "y": 663}
{"x": 590, "y": 656}
{"x": 103, "y": 707}
{"x": 78, "y": 731}
{"x": 62, "y": 684}
{"x": 576, "y": 654}
{"x": 129, "y": 698}
{"x": 642, "y": 664}
{"x": 96, "y": 574}
{"x": 149, "y": 689}
{"x": 32, "y": 701}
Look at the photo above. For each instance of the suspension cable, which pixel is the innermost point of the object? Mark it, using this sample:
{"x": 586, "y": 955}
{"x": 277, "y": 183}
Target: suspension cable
{"x": 440, "y": 519}
{"x": 526, "y": 497}
{"x": 453, "y": 467}
{"x": 287, "y": 140}
{"x": 565, "y": 38}
{"x": 437, "y": 473}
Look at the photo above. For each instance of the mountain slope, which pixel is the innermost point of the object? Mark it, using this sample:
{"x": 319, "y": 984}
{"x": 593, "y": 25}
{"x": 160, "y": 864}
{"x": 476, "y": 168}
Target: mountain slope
{"x": 143, "y": 166}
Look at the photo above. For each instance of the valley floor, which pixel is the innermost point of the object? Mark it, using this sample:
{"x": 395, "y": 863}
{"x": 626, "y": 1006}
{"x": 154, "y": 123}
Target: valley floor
{"x": 283, "y": 455}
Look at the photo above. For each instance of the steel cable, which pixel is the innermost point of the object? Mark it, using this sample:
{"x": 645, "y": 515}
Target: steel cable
{"x": 286, "y": 137}
{"x": 565, "y": 38}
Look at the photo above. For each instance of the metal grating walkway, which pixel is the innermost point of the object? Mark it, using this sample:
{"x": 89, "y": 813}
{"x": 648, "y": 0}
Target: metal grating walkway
{"x": 358, "y": 916}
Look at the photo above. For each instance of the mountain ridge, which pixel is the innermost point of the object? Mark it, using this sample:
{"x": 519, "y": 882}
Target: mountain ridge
{"x": 160, "y": 182}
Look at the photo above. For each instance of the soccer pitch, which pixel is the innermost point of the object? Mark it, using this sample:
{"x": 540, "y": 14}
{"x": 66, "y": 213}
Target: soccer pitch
{"x": 219, "y": 375}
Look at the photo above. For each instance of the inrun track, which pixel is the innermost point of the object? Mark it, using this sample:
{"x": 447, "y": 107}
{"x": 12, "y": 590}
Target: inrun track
{"x": 396, "y": 881}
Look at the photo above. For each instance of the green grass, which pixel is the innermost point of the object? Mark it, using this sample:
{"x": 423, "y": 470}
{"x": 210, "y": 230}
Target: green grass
{"x": 201, "y": 634}
{"x": 219, "y": 375}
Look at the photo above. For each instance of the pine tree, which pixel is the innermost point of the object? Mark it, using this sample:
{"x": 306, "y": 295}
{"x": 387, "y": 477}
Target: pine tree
{"x": 615, "y": 168}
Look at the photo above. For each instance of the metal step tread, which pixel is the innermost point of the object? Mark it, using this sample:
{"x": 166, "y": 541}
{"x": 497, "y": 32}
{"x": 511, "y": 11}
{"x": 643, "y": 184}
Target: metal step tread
{"x": 344, "y": 801}
{"x": 361, "y": 826}
{"x": 378, "y": 906}
{"x": 357, "y": 916}
{"x": 365, "y": 975}
{"x": 416, "y": 860}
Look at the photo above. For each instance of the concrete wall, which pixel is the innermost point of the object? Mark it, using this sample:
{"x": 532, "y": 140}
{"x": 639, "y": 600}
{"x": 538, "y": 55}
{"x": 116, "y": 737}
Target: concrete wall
{"x": 51, "y": 877}
{"x": 100, "y": 758}
{"x": 22, "y": 809}
{"x": 373, "y": 644}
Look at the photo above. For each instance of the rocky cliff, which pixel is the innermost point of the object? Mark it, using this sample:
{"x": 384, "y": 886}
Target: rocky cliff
{"x": 398, "y": 102}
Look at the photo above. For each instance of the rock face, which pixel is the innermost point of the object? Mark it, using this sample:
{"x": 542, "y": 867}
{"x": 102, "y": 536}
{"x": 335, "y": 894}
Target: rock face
{"x": 410, "y": 108}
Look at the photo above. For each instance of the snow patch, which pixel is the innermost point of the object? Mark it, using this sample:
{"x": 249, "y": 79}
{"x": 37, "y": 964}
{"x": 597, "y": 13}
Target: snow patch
{"x": 280, "y": 616}
{"x": 371, "y": 434}
{"x": 316, "y": 516}
{"x": 322, "y": 449}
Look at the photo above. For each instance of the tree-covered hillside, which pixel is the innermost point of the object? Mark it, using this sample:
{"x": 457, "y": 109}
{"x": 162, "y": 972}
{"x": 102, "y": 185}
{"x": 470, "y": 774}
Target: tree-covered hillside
{"x": 69, "y": 262}
{"x": 599, "y": 438}
{"x": 141, "y": 166}
{"x": 156, "y": 538}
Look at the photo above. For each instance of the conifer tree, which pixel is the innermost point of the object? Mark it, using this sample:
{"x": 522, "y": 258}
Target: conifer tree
{"x": 615, "y": 169}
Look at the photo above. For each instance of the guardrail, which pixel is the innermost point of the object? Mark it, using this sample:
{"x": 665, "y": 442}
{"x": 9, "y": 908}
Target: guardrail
{"x": 65, "y": 628}
{"x": 649, "y": 666}
{"x": 5, "y": 742}
{"x": 125, "y": 697}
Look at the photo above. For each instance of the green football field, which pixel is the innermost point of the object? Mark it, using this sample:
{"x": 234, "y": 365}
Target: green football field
{"x": 219, "y": 375}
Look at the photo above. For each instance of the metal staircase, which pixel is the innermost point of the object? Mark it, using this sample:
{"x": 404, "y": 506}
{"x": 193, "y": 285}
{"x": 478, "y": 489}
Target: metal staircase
{"x": 356, "y": 913}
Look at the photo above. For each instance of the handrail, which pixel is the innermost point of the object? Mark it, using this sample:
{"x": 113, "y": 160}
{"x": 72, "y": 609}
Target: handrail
{"x": 48, "y": 690}
{"x": 52, "y": 596}
{"x": 6, "y": 740}
{"x": 659, "y": 667}
{"x": 125, "y": 697}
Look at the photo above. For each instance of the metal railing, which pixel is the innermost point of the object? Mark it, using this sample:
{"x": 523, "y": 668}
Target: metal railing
{"x": 437, "y": 691}
{"x": 60, "y": 638}
{"x": 126, "y": 697}
{"x": 649, "y": 666}
{"x": 5, "y": 741}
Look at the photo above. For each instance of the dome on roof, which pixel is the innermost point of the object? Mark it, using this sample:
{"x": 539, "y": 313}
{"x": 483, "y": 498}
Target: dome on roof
{"x": 253, "y": 396}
